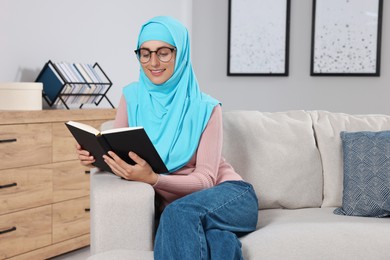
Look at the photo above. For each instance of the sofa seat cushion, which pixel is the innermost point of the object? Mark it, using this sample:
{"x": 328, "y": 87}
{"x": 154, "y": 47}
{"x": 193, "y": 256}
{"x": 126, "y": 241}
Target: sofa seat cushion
{"x": 277, "y": 154}
{"x": 123, "y": 254}
{"x": 317, "y": 233}
{"x": 327, "y": 127}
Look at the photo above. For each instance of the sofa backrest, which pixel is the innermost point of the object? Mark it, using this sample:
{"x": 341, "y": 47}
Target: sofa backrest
{"x": 277, "y": 154}
{"x": 107, "y": 125}
{"x": 293, "y": 158}
{"x": 327, "y": 127}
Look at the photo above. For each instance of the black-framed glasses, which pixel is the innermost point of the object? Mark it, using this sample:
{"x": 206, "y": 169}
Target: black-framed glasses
{"x": 164, "y": 54}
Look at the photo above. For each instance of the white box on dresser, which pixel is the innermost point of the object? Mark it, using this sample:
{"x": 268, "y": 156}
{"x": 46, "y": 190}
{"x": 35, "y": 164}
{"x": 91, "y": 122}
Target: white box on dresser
{"x": 21, "y": 96}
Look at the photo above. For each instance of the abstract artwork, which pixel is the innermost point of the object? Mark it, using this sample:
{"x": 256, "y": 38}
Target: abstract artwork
{"x": 258, "y": 37}
{"x": 346, "y": 36}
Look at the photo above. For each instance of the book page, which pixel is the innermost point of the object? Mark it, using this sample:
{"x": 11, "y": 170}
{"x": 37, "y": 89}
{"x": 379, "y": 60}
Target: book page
{"x": 84, "y": 127}
{"x": 122, "y": 129}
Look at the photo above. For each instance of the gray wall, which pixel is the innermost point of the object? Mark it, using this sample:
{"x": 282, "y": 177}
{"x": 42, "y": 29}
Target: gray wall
{"x": 297, "y": 91}
{"x": 33, "y": 32}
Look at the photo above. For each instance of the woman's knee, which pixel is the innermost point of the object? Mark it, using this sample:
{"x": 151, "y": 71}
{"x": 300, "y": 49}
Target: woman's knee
{"x": 178, "y": 213}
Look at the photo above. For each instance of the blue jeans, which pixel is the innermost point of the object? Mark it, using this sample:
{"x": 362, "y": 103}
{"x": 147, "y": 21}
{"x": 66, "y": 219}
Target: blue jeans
{"x": 206, "y": 224}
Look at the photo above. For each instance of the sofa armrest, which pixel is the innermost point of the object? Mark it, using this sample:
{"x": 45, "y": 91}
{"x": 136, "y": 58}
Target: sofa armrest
{"x": 122, "y": 214}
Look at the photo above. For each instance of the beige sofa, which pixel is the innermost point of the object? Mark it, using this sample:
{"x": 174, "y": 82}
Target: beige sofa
{"x": 294, "y": 160}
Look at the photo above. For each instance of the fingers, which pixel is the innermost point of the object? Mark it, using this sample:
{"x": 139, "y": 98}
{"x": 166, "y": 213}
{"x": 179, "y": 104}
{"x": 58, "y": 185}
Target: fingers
{"x": 137, "y": 159}
{"x": 84, "y": 156}
{"x": 86, "y": 160}
{"x": 117, "y": 165}
{"x": 141, "y": 171}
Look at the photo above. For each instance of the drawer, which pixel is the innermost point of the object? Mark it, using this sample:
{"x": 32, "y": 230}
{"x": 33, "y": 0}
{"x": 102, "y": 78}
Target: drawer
{"x": 26, "y": 187}
{"x": 70, "y": 219}
{"x": 24, "y": 231}
{"x": 70, "y": 181}
{"x": 25, "y": 145}
{"x": 64, "y": 145}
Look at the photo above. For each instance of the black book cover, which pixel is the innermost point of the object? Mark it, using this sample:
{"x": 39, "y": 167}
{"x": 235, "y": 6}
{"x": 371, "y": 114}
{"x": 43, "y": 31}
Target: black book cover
{"x": 121, "y": 141}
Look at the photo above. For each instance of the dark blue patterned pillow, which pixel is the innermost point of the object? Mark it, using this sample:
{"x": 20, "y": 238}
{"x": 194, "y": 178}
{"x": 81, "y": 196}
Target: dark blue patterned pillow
{"x": 366, "y": 174}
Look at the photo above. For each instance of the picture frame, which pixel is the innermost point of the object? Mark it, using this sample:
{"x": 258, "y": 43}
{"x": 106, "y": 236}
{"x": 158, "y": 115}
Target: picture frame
{"x": 259, "y": 48}
{"x": 346, "y": 37}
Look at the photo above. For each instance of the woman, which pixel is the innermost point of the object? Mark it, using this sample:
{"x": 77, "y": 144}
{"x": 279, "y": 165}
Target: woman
{"x": 206, "y": 204}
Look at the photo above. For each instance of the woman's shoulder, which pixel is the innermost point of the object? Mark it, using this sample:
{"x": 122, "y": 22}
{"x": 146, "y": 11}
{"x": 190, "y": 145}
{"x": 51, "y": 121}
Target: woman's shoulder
{"x": 131, "y": 86}
{"x": 209, "y": 99}
{"x": 130, "y": 90}
{"x": 216, "y": 115}
{"x": 217, "y": 109}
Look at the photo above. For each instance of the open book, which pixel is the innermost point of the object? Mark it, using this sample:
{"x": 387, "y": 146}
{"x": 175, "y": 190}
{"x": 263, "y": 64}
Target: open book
{"x": 120, "y": 140}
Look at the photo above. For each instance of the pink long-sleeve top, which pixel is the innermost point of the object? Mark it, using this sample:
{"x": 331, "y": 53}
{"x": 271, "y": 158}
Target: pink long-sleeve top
{"x": 206, "y": 168}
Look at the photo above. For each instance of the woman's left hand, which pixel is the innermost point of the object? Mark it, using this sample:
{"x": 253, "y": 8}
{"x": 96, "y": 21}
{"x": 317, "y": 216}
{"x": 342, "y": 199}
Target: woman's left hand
{"x": 141, "y": 171}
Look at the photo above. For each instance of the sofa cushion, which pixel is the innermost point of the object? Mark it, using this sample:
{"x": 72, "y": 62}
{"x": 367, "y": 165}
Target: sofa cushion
{"x": 123, "y": 254}
{"x": 327, "y": 127}
{"x": 316, "y": 234}
{"x": 366, "y": 174}
{"x": 107, "y": 125}
{"x": 277, "y": 154}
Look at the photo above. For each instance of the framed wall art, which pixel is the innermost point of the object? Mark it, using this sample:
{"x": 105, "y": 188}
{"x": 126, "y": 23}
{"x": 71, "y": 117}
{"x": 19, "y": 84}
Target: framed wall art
{"x": 258, "y": 37}
{"x": 346, "y": 37}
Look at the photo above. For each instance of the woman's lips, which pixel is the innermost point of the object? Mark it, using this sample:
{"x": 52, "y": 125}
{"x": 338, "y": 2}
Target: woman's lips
{"x": 157, "y": 72}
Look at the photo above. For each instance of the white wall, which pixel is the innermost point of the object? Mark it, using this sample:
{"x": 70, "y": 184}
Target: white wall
{"x": 297, "y": 91}
{"x": 33, "y": 32}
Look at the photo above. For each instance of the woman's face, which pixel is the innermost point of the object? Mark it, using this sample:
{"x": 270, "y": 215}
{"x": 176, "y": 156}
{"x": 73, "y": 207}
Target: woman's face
{"x": 157, "y": 71}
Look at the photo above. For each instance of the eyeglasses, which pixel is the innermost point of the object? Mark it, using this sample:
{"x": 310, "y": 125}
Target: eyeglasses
{"x": 164, "y": 54}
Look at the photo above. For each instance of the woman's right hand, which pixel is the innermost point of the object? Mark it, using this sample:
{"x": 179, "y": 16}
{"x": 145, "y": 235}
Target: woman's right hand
{"x": 86, "y": 159}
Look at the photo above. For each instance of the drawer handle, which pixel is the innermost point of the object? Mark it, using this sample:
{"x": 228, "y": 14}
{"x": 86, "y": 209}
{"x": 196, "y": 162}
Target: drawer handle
{"x": 87, "y": 210}
{"x": 7, "y": 230}
{"x": 8, "y": 185}
{"x": 87, "y": 172}
{"x": 8, "y": 140}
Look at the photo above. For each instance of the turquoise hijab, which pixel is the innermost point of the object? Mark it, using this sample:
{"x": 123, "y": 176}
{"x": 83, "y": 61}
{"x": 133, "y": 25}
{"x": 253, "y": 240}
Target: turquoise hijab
{"x": 175, "y": 113}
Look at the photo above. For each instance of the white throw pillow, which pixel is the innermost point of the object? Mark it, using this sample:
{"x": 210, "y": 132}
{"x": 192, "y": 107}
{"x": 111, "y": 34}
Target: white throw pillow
{"x": 327, "y": 127}
{"x": 277, "y": 154}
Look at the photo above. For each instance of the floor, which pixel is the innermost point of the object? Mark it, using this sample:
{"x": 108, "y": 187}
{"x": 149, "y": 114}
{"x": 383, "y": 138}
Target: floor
{"x": 80, "y": 254}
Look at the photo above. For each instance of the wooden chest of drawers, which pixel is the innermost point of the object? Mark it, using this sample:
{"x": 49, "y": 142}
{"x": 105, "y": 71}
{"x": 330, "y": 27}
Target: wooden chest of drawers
{"x": 44, "y": 191}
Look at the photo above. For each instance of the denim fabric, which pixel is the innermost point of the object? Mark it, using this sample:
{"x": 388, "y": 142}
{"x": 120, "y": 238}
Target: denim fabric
{"x": 206, "y": 224}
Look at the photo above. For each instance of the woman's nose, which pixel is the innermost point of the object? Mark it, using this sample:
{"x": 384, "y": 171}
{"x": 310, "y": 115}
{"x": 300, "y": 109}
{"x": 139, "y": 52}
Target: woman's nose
{"x": 154, "y": 61}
